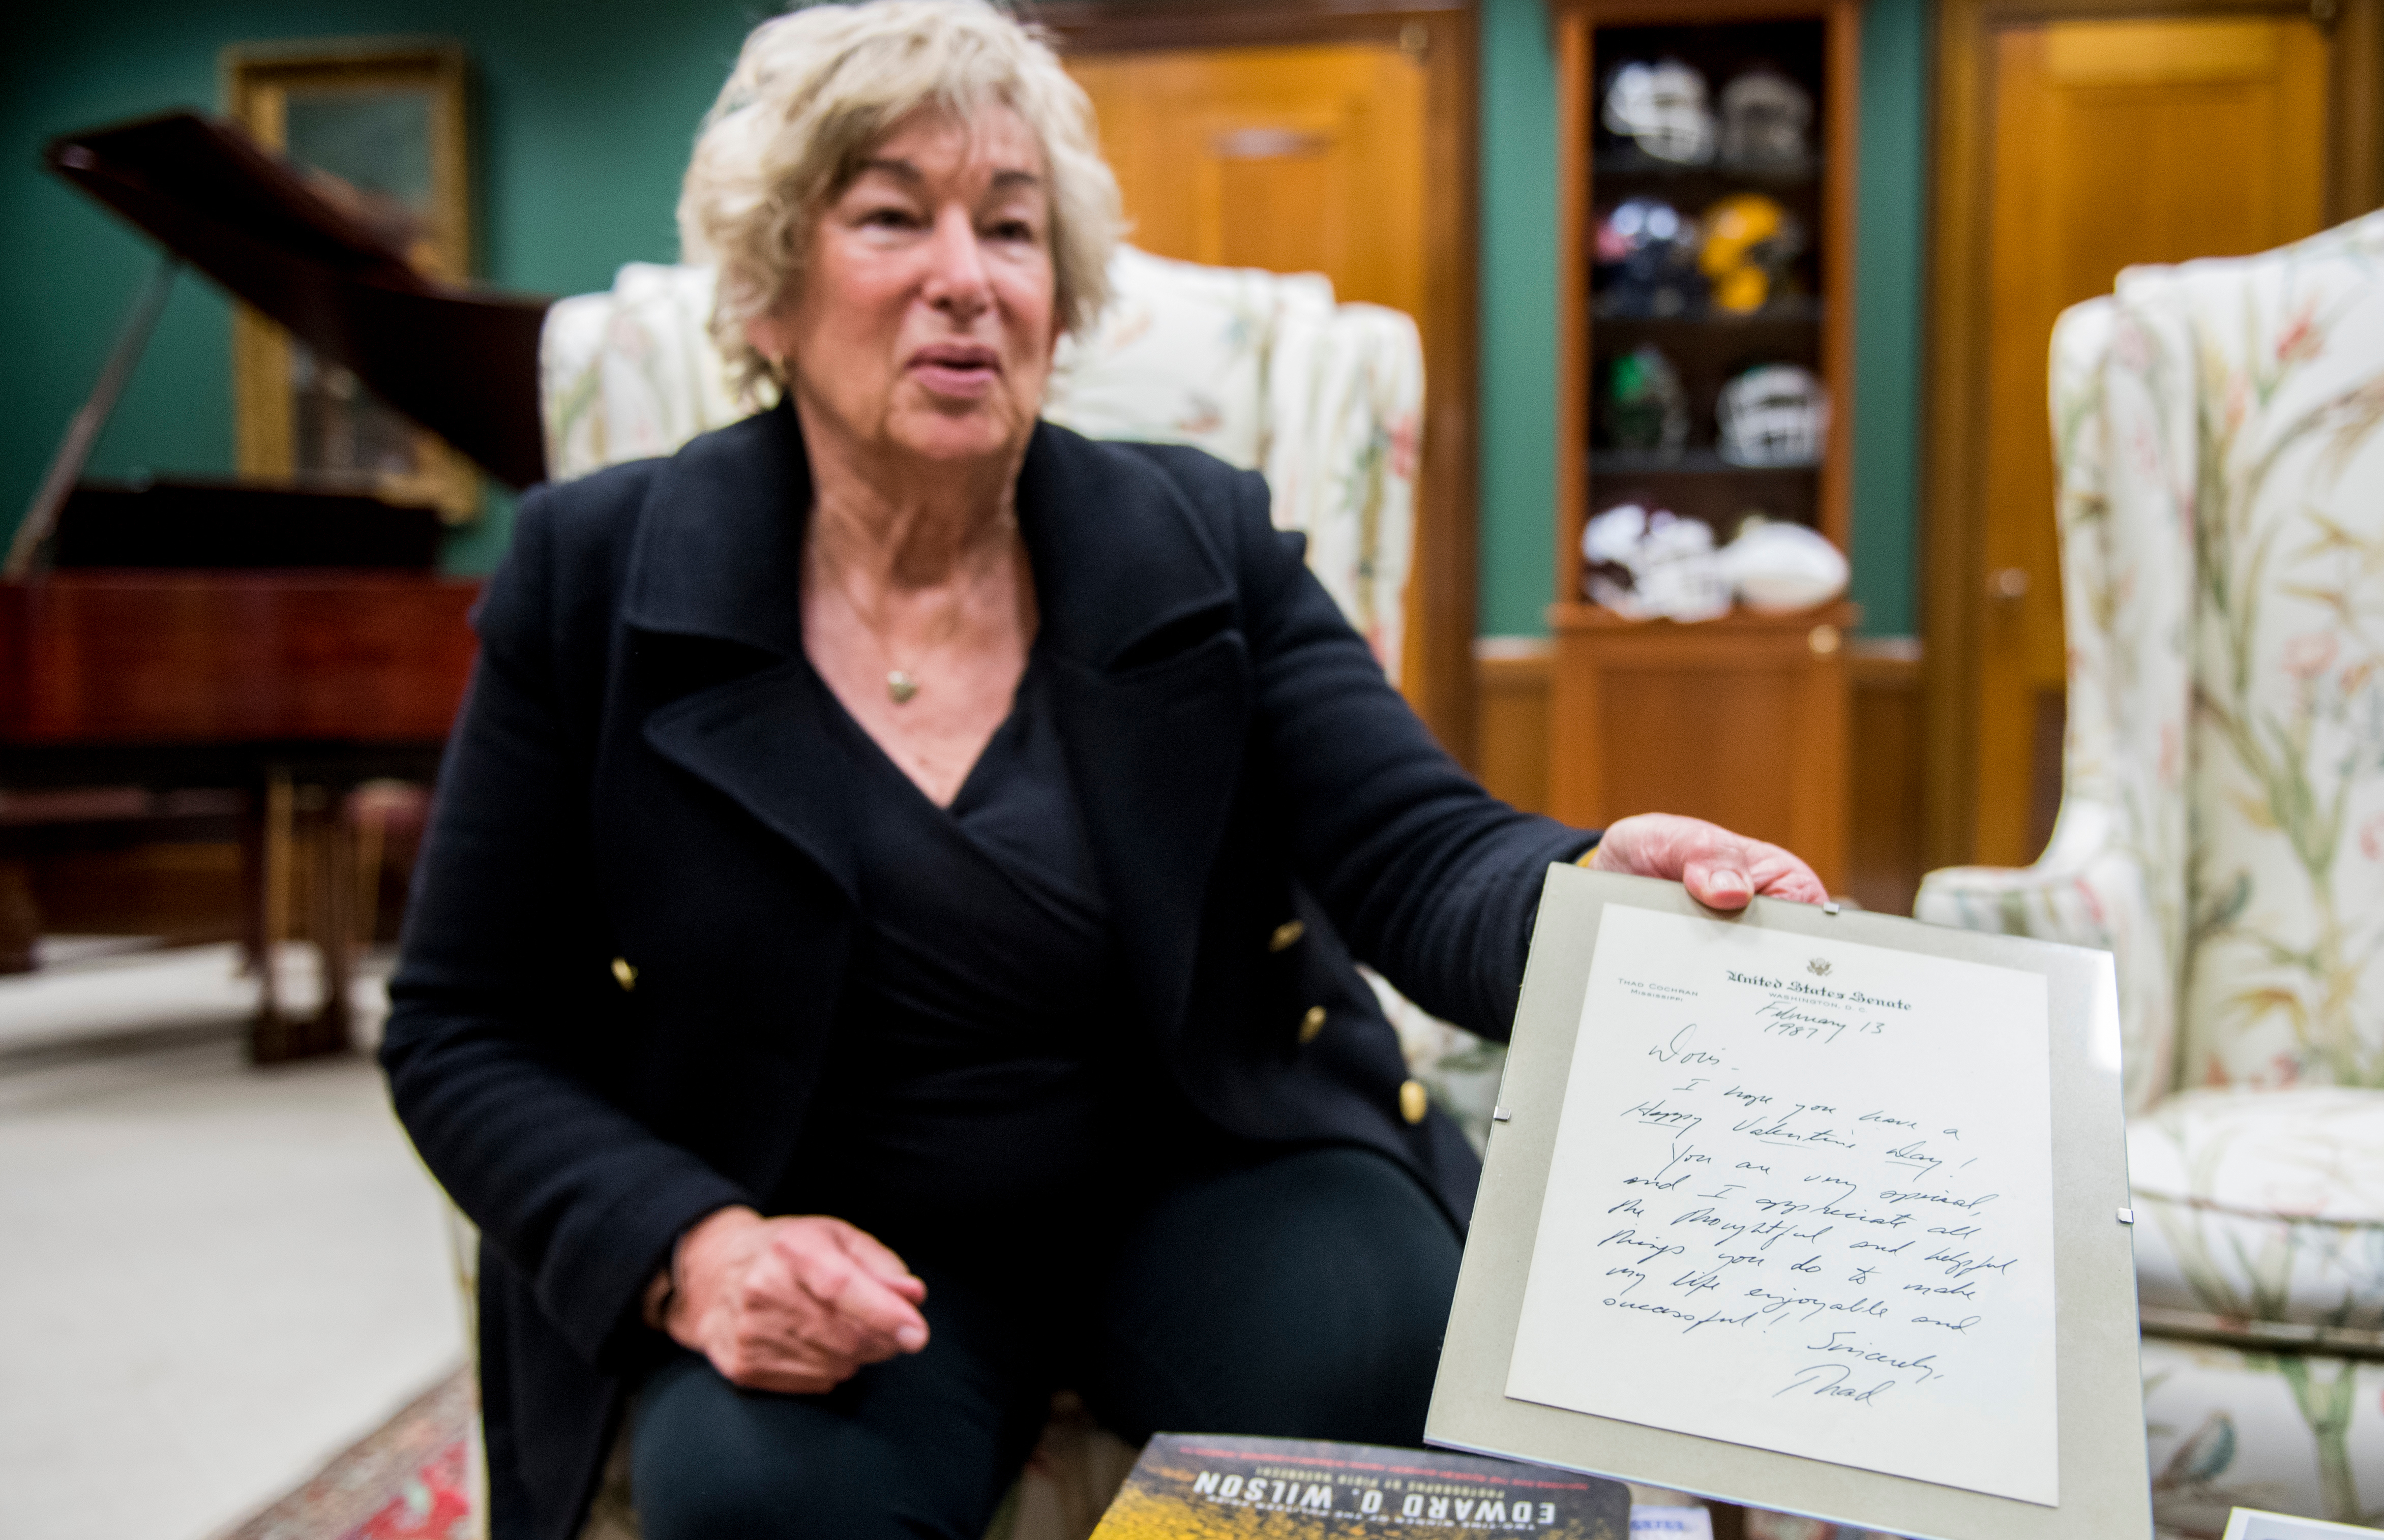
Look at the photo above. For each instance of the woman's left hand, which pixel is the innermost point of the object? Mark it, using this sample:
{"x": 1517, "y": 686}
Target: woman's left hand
{"x": 1721, "y": 870}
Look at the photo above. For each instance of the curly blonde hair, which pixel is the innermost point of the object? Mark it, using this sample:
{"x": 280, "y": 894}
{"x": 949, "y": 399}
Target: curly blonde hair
{"x": 812, "y": 92}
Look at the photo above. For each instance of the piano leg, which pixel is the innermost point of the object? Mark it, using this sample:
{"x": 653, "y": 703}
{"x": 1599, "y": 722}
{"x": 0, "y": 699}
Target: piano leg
{"x": 299, "y": 826}
{"x": 21, "y": 917}
{"x": 265, "y": 885}
{"x": 252, "y": 882}
{"x": 332, "y": 892}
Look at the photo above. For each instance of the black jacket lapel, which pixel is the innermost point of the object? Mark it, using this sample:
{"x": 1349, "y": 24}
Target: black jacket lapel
{"x": 719, "y": 549}
{"x": 719, "y": 557}
{"x": 762, "y": 742}
{"x": 1154, "y": 690}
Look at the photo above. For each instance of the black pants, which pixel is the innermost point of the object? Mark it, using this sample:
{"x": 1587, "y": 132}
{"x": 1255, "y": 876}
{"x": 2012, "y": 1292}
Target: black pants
{"x": 1301, "y": 1296}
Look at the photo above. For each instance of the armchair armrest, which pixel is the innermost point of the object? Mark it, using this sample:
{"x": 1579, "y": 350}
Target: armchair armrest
{"x": 2067, "y": 895}
{"x": 2089, "y": 889}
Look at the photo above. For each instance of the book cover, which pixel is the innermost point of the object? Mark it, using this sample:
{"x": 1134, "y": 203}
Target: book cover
{"x": 1195, "y": 1486}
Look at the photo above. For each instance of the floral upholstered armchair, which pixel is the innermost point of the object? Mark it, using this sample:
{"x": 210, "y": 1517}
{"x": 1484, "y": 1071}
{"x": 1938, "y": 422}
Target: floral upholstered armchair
{"x": 2220, "y": 432}
{"x": 1261, "y": 369}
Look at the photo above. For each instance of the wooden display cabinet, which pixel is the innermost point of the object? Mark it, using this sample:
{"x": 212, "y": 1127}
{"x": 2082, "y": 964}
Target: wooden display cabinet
{"x": 1742, "y": 719}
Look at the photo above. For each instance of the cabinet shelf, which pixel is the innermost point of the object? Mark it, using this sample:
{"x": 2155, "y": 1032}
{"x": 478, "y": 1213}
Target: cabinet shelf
{"x": 1797, "y": 310}
{"x": 1628, "y": 162}
{"x": 1640, "y": 463}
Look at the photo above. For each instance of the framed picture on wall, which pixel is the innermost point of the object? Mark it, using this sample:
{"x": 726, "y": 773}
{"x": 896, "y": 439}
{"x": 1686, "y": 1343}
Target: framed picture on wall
{"x": 378, "y": 126}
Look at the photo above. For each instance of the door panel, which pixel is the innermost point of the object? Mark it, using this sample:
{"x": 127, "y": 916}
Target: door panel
{"x": 1306, "y": 158}
{"x": 2113, "y": 142}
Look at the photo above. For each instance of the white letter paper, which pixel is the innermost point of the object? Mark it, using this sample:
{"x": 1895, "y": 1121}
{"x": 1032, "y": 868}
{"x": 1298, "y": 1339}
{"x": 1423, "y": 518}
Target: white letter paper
{"x": 1802, "y": 1200}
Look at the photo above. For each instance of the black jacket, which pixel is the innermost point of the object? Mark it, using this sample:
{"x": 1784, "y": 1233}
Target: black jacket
{"x": 621, "y": 786}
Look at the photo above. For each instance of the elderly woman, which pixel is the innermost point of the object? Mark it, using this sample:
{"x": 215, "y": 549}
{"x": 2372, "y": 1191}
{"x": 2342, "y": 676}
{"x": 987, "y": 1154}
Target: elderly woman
{"x": 887, "y": 946}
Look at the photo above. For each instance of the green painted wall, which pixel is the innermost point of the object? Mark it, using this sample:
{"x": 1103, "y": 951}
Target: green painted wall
{"x": 583, "y": 112}
{"x": 1518, "y": 296}
{"x": 1517, "y": 435}
{"x": 1891, "y": 251}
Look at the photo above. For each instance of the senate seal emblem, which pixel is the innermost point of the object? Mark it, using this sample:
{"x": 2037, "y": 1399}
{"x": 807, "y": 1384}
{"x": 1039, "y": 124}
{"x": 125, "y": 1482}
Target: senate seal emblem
{"x": 1819, "y": 965}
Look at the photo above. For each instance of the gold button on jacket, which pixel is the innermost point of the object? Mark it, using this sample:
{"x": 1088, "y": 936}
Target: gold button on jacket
{"x": 1312, "y": 1023}
{"x": 623, "y": 974}
{"x": 1286, "y": 935}
{"x": 1413, "y": 1102}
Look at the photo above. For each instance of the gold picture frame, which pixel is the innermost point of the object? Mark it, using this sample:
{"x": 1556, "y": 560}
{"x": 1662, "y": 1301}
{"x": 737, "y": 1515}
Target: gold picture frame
{"x": 378, "y": 124}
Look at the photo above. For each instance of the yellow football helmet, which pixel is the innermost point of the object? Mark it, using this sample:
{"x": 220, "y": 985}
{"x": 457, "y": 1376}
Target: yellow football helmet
{"x": 1750, "y": 241}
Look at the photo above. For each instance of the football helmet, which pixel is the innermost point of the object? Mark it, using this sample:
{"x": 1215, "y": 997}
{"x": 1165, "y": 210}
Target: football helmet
{"x": 1749, "y": 242}
{"x": 1644, "y": 564}
{"x": 1656, "y": 251}
{"x": 1647, "y": 408}
{"x": 1766, "y": 120}
{"x": 1662, "y": 107}
{"x": 1774, "y": 415}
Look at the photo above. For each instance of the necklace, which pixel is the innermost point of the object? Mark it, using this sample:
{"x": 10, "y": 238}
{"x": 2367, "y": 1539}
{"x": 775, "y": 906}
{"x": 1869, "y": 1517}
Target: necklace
{"x": 902, "y": 683}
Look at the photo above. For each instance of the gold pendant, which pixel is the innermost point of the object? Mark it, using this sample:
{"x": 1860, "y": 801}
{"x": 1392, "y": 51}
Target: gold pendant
{"x": 901, "y": 686}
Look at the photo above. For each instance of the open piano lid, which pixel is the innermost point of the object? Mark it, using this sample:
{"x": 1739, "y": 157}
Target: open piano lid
{"x": 460, "y": 363}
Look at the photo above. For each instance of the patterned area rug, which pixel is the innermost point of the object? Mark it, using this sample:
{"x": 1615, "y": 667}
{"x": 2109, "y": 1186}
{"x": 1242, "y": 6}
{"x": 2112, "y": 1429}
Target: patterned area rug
{"x": 410, "y": 1480}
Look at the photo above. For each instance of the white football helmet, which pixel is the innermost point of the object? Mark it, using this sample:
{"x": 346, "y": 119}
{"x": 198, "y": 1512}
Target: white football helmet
{"x": 1662, "y": 107}
{"x": 1766, "y": 120}
{"x": 1643, "y": 565}
{"x": 1774, "y": 415}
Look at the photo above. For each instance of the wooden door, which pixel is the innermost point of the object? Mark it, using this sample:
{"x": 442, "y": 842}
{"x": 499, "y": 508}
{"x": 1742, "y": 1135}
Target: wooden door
{"x": 1307, "y": 159}
{"x": 2071, "y": 148}
{"x": 2114, "y": 142}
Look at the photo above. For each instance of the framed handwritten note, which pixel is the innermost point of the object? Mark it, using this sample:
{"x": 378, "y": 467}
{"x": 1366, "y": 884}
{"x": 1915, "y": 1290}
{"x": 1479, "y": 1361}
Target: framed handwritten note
{"x": 1803, "y": 1200}
{"x": 1819, "y": 1212}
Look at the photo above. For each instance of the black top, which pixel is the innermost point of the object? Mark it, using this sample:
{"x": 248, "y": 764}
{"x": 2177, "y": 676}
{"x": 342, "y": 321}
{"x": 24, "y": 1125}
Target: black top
{"x": 986, "y": 1015}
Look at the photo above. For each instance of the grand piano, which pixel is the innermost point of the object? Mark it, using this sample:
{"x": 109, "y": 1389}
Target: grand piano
{"x": 284, "y": 641}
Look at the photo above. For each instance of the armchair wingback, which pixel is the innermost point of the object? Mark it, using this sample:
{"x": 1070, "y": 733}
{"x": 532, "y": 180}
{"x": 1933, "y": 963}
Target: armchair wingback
{"x": 2220, "y": 432}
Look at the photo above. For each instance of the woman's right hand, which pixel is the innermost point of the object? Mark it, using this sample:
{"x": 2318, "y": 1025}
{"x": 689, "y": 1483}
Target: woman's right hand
{"x": 795, "y": 1305}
